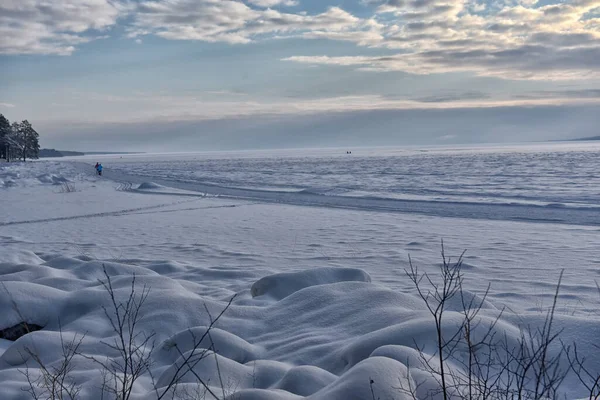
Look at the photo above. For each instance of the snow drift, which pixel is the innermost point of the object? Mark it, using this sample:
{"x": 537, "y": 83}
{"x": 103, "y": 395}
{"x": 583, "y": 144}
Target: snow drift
{"x": 323, "y": 333}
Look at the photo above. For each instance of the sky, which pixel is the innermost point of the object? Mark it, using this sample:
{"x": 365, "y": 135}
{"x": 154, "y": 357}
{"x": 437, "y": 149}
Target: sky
{"x": 178, "y": 75}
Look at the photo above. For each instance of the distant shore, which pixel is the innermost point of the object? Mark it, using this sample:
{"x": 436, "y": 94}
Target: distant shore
{"x": 52, "y": 153}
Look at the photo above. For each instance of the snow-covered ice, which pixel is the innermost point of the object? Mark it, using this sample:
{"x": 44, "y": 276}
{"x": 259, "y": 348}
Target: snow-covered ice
{"x": 313, "y": 245}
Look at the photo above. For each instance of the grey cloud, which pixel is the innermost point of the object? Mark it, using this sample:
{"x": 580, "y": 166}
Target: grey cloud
{"x": 499, "y": 27}
{"x": 272, "y": 3}
{"x": 412, "y": 38}
{"x": 417, "y": 26}
{"x": 359, "y": 128}
{"x": 554, "y": 10}
{"x": 425, "y": 26}
{"x": 564, "y": 39}
{"x": 530, "y": 58}
{"x": 423, "y": 3}
{"x": 548, "y": 94}
{"x": 529, "y": 61}
{"x": 462, "y": 43}
{"x": 451, "y": 97}
{"x": 390, "y": 3}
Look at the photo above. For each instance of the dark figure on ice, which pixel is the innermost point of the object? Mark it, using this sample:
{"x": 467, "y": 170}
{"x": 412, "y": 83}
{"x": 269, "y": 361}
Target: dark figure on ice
{"x": 99, "y": 169}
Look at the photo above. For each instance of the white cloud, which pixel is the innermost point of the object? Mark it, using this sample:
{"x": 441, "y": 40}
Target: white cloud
{"x": 510, "y": 41}
{"x": 53, "y": 27}
{"x": 234, "y": 22}
{"x": 507, "y": 39}
{"x": 273, "y": 3}
{"x": 7, "y": 105}
{"x": 447, "y": 137}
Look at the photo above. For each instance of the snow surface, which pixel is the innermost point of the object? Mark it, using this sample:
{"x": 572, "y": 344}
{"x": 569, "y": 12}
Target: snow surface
{"x": 322, "y": 304}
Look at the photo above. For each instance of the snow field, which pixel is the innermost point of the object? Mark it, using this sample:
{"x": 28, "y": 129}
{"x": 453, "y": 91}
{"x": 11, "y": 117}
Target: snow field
{"x": 315, "y": 315}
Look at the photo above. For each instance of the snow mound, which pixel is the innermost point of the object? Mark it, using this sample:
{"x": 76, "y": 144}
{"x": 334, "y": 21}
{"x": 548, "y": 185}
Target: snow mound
{"x": 37, "y": 174}
{"x": 321, "y": 334}
{"x": 8, "y": 173}
{"x": 305, "y": 380}
{"x": 226, "y": 344}
{"x": 387, "y": 376}
{"x": 150, "y": 186}
{"x": 281, "y": 285}
{"x": 52, "y": 179}
{"x": 17, "y": 257}
{"x": 8, "y": 182}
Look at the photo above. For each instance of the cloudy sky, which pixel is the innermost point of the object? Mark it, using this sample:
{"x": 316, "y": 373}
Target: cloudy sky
{"x": 220, "y": 74}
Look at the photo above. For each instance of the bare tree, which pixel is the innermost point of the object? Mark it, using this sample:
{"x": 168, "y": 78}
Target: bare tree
{"x": 435, "y": 298}
{"x": 67, "y": 187}
{"x": 134, "y": 347}
{"x": 494, "y": 367}
{"x": 590, "y": 380}
{"x": 54, "y": 382}
{"x": 51, "y": 382}
{"x": 191, "y": 358}
{"x": 533, "y": 372}
{"x": 578, "y": 363}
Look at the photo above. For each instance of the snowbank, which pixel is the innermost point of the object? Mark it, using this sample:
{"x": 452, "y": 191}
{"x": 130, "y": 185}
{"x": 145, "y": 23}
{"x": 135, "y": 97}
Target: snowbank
{"x": 35, "y": 174}
{"x": 324, "y": 333}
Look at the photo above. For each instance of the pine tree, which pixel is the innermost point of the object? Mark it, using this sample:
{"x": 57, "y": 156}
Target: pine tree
{"x": 25, "y": 139}
{"x": 16, "y": 138}
{"x": 32, "y": 141}
{"x": 4, "y": 133}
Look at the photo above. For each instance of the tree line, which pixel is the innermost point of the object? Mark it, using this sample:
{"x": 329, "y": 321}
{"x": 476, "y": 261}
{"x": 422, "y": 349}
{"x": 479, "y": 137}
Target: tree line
{"x": 18, "y": 140}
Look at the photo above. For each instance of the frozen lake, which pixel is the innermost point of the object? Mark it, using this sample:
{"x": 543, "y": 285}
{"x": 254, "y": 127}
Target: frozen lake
{"x": 557, "y": 182}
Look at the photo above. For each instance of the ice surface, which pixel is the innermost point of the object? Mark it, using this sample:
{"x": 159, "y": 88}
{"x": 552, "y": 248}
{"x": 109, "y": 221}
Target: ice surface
{"x": 541, "y": 174}
{"x": 541, "y": 183}
{"x": 150, "y": 186}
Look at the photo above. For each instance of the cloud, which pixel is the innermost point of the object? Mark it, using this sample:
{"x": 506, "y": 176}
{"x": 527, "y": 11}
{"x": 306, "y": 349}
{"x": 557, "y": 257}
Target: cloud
{"x": 7, "y": 105}
{"x": 234, "y": 22}
{"x": 137, "y": 107}
{"x": 450, "y": 97}
{"x": 273, "y": 3}
{"x": 533, "y": 62}
{"x": 447, "y": 137}
{"x": 362, "y": 128}
{"x": 53, "y": 27}
{"x": 565, "y": 94}
{"x": 511, "y": 40}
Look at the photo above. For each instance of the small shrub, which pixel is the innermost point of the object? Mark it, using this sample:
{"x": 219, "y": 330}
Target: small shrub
{"x": 67, "y": 187}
